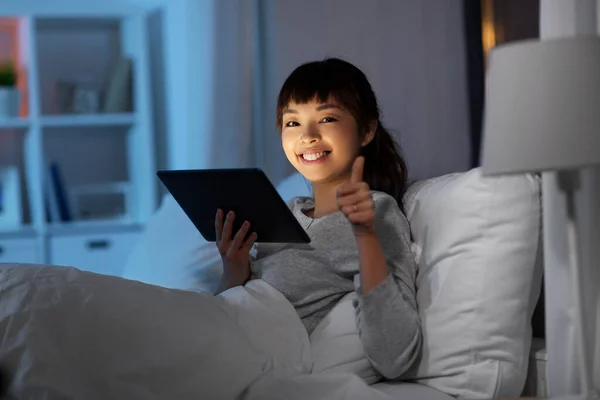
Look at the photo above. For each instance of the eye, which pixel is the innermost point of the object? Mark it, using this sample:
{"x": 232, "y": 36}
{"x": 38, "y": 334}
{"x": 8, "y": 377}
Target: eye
{"x": 328, "y": 119}
{"x": 291, "y": 124}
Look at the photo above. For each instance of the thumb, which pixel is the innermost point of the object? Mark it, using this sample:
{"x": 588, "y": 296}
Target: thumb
{"x": 357, "y": 170}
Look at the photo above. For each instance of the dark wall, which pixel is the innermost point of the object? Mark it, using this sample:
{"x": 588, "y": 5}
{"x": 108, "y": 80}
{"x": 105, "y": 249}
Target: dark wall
{"x": 513, "y": 20}
{"x": 475, "y": 74}
{"x": 516, "y": 20}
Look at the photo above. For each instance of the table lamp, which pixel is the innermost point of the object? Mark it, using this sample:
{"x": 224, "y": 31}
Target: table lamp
{"x": 542, "y": 113}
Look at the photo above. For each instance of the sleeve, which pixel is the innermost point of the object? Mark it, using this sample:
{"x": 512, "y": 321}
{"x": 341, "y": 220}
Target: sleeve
{"x": 387, "y": 317}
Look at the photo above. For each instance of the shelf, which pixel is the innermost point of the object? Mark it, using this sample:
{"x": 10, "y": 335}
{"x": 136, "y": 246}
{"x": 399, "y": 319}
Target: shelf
{"x": 77, "y": 24}
{"x": 66, "y": 121}
{"x": 72, "y": 9}
{"x": 73, "y": 228}
{"x": 14, "y": 123}
{"x": 24, "y": 232}
{"x": 64, "y": 52}
{"x": 90, "y": 120}
{"x": 91, "y": 228}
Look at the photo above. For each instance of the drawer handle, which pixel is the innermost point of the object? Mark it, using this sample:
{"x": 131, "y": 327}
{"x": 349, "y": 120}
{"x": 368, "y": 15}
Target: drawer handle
{"x": 98, "y": 244}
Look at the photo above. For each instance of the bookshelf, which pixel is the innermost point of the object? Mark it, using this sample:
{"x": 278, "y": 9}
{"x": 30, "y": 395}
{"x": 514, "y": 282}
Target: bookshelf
{"x": 99, "y": 139}
{"x": 14, "y": 123}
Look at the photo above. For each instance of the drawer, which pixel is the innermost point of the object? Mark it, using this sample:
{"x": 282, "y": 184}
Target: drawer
{"x": 99, "y": 253}
{"x": 19, "y": 251}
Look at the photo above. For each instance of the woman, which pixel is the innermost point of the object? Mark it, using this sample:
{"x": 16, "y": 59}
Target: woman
{"x": 360, "y": 239}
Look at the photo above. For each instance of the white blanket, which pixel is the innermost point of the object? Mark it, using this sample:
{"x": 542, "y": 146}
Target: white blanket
{"x": 75, "y": 335}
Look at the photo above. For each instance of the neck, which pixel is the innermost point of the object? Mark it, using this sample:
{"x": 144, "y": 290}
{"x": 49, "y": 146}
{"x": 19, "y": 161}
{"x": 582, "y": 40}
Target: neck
{"x": 325, "y": 196}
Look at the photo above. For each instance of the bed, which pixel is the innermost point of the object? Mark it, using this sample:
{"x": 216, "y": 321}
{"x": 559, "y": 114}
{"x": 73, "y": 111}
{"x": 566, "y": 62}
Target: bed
{"x": 157, "y": 332}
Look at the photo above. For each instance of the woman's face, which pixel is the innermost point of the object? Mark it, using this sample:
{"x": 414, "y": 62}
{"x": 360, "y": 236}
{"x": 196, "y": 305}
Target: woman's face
{"x": 321, "y": 140}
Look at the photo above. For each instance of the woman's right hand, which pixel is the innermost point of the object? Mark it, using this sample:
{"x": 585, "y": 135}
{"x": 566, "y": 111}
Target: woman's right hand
{"x": 235, "y": 252}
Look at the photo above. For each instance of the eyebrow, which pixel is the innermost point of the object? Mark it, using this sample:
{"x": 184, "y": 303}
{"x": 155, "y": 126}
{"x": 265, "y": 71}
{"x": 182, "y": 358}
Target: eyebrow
{"x": 321, "y": 107}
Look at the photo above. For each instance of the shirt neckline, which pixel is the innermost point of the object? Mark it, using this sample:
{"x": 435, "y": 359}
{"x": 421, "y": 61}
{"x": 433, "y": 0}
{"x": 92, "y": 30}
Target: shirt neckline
{"x": 308, "y": 205}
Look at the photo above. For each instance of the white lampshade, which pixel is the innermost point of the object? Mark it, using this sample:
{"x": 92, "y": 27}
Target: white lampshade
{"x": 542, "y": 106}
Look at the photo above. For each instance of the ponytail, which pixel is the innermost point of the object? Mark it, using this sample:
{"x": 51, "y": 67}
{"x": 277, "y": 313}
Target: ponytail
{"x": 385, "y": 168}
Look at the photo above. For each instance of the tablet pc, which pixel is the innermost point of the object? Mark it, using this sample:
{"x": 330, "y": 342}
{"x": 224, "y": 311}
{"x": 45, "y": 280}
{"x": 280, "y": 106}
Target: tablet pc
{"x": 246, "y": 191}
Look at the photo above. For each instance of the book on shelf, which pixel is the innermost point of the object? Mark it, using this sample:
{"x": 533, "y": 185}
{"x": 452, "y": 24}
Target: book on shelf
{"x": 118, "y": 94}
{"x": 56, "y": 196}
{"x": 89, "y": 203}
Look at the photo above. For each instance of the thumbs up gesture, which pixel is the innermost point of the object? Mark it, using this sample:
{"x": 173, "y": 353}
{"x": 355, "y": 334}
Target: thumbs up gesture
{"x": 355, "y": 201}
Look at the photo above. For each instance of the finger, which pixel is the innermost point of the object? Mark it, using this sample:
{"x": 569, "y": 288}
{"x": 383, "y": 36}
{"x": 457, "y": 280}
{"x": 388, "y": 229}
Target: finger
{"x": 247, "y": 246}
{"x": 361, "y": 217}
{"x": 358, "y": 207}
{"x": 354, "y": 198}
{"x": 219, "y": 224}
{"x": 350, "y": 188}
{"x": 238, "y": 239}
{"x": 357, "y": 169}
{"x": 227, "y": 228}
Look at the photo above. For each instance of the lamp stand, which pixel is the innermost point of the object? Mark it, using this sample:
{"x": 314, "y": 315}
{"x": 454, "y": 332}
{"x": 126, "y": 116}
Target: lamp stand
{"x": 569, "y": 183}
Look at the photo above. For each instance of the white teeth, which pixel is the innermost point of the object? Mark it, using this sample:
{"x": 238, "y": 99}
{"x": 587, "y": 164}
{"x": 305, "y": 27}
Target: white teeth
{"x": 313, "y": 156}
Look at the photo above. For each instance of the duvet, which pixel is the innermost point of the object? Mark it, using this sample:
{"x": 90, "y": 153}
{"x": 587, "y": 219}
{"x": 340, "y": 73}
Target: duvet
{"x": 68, "y": 334}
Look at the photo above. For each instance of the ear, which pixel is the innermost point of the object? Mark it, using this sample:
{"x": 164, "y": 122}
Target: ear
{"x": 369, "y": 134}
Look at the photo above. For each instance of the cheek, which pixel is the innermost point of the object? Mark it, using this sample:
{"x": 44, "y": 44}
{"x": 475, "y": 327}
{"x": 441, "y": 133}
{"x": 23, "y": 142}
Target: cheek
{"x": 346, "y": 140}
{"x": 287, "y": 143}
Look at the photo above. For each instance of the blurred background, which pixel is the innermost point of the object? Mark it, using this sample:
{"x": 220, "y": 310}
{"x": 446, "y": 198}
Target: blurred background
{"x": 96, "y": 97}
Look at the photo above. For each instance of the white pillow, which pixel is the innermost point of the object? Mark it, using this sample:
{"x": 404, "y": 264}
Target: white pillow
{"x": 172, "y": 253}
{"x": 478, "y": 282}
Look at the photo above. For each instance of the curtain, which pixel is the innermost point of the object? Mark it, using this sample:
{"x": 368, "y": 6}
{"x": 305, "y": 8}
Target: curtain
{"x": 562, "y": 18}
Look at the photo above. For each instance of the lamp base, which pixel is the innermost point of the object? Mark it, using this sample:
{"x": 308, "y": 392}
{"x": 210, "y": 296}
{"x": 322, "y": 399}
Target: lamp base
{"x": 569, "y": 182}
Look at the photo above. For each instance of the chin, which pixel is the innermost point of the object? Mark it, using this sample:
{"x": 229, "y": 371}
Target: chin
{"x": 314, "y": 177}
{"x": 319, "y": 175}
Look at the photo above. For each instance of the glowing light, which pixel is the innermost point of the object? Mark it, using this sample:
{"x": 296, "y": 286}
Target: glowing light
{"x": 488, "y": 28}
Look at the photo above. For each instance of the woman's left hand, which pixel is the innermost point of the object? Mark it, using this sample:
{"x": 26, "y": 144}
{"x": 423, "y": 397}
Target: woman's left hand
{"x": 355, "y": 201}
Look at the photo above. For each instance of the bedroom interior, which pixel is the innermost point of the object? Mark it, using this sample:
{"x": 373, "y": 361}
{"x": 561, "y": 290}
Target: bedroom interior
{"x": 97, "y": 260}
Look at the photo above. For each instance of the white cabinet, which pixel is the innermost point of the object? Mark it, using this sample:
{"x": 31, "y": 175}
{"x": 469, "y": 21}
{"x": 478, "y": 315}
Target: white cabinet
{"x": 99, "y": 253}
{"x": 69, "y": 58}
{"x": 19, "y": 251}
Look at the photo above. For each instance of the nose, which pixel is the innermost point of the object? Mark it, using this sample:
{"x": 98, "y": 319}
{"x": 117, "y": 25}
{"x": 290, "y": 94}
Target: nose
{"x": 310, "y": 136}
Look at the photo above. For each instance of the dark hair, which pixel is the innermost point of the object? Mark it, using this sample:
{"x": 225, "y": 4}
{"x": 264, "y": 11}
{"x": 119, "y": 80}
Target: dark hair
{"x": 385, "y": 167}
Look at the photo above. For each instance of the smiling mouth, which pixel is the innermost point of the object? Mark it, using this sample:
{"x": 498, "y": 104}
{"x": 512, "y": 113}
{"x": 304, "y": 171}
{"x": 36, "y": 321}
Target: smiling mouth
{"x": 314, "y": 156}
